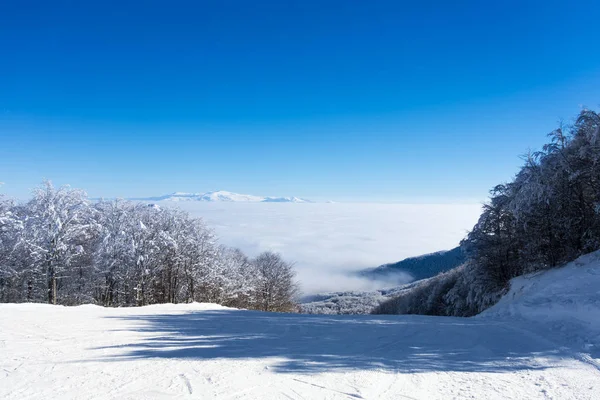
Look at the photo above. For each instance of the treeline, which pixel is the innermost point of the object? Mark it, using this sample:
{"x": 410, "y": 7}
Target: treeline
{"x": 61, "y": 248}
{"x": 547, "y": 215}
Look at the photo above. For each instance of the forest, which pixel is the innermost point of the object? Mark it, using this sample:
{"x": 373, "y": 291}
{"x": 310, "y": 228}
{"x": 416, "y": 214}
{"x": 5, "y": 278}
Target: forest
{"x": 548, "y": 215}
{"x": 61, "y": 248}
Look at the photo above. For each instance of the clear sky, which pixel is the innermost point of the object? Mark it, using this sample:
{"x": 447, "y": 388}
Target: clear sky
{"x": 342, "y": 100}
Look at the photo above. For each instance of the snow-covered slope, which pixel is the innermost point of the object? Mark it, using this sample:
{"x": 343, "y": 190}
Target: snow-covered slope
{"x": 564, "y": 301}
{"x": 539, "y": 342}
{"x": 285, "y": 200}
{"x": 222, "y": 195}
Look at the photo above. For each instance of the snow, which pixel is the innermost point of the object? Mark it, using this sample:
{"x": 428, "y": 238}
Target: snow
{"x": 565, "y": 300}
{"x": 539, "y": 342}
{"x": 285, "y": 200}
{"x": 222, "y": 196}
{"x": 228, "y": 196}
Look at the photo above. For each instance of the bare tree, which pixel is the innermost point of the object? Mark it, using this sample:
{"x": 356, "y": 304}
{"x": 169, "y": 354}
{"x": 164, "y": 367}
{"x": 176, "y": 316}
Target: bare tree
{"x": 277, "y": 286}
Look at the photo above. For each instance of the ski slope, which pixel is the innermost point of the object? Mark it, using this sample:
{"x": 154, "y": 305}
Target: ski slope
{"x": 540, "y": 342}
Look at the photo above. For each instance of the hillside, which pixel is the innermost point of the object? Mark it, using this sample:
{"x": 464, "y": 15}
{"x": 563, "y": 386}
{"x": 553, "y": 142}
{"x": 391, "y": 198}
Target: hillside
{"x": 419, "y": 267}
{"x": 546, "y": 216}
{"x": 541, "y": 341}
{"x": 350, "y": 302}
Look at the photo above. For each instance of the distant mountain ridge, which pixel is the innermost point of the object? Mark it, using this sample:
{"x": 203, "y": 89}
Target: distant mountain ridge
{"x": 222, "y": 196}
{"x": 420, "y": 267}
{"x": 414, "y": 270}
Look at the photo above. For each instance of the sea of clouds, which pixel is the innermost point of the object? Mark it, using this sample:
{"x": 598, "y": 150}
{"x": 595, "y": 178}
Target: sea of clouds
{"x": 327, "y": 242}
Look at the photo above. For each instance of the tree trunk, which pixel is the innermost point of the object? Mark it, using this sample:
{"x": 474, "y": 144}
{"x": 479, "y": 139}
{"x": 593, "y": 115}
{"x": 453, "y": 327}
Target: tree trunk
{"x": 54, "y": 290}
{"x": 191, "y": 294}
{"x": 140, "y": 293}
{"x": 29, "y": 290}
{"x": 50, "y": 282}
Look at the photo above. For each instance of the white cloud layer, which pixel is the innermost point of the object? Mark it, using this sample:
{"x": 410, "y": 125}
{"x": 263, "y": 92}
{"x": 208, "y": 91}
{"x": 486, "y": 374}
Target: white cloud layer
{"x": 326, "y": 241}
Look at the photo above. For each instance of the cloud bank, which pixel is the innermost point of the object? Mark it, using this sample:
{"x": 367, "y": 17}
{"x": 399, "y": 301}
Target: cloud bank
{"x": 329, "y": 241}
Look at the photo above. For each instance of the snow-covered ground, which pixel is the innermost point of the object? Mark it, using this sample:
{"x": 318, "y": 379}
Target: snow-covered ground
{"x": 541, "y": 341}
{"x": 564, "y": 301}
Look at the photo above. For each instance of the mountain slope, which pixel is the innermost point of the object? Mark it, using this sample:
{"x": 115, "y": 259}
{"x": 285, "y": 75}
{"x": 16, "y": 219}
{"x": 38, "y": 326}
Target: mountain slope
{"x": 420, "y": 267}
{"x": 350, "y": 302}
{"x": 416, "y": 269}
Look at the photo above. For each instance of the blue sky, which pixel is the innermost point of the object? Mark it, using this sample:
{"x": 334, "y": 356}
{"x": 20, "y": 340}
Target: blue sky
{"x": 343, "y": 100}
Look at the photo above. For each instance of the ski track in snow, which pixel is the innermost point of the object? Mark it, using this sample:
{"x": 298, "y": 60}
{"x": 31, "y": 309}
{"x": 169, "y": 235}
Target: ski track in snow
{"x": 206, "y": 351}
{"x": 541, "y": 341}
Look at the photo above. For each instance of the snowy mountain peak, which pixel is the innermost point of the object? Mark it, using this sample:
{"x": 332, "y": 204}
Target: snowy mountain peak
{"x": 184, "y": 194}
{"x": 224, "y": 196}
{"x": 285, "y": 200}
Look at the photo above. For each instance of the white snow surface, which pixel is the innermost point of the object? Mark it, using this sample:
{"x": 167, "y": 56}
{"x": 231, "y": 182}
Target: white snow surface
{"x": 565, "y": 300}
{"x": 539, "y": 342}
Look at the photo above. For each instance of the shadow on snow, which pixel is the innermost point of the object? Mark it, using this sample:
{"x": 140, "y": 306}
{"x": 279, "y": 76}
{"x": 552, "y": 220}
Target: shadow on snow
{"x": 317, "y": 343}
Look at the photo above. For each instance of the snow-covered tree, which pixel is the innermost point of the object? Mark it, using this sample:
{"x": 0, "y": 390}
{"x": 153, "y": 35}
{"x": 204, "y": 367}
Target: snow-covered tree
{"x": 277, "y": 288}
{"x": 10, "y": 231}
{"x": 549, "y": 214}
{"x": 57, "y": 223}
{"x": 240, "y": 279}
{"x": 60, "y": 248}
